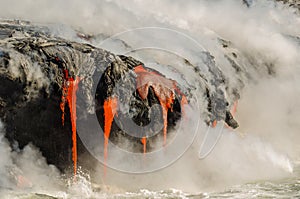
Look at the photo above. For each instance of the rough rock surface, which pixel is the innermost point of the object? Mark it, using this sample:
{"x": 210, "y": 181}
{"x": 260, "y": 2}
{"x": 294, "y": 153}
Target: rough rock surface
{"x": 33, "y": 69}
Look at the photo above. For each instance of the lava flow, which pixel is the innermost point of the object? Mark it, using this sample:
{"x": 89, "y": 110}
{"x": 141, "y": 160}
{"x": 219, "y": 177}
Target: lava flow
{"x": 144, "y": 142}
{"x": 163, "y": 88}
{"x": 110, "y": 109}
{"x": 70, "y": 87}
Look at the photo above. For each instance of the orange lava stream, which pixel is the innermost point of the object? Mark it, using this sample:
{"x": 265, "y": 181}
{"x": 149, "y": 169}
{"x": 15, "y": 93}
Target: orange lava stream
{"x": 144, "y": 142}
{"x": 110, "y": 109}
{"x": 163, "y": 88}
{"x": 214, "y": 123}
{"x": 165, "y": 107}
{"x": 70, "y": 88}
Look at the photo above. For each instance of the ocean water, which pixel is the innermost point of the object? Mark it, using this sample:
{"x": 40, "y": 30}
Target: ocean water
{"x": 284, "y": 188}
{"x": 258, "y": 160}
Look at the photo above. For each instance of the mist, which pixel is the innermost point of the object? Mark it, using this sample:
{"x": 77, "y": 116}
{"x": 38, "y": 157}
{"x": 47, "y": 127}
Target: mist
{"x": 265, "y": 146}
{"x": 25, "y": 169}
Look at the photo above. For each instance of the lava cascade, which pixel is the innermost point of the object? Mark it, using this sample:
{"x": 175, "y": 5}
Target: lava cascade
{"x": 163, "y": 88}
{"x": 70, "y": 87}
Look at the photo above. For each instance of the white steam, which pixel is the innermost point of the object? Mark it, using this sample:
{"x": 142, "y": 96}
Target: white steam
{"x": 25, "y": 169}
{"x": 269, "y": 108}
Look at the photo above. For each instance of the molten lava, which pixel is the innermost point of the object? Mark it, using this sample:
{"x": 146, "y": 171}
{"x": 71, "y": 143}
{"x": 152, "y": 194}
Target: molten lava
{"x": 164, "y": 89}
{"x": 214, "y": 123}
{"x": 110, "y": 109}
{"x": 144, "y": 142}
{"x": 70, "y": 87}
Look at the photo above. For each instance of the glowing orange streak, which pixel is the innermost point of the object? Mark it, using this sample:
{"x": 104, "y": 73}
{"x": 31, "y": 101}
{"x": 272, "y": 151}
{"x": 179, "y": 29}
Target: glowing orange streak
{"x": 163, "y": 89}
{"x": 214, "y": 123}
{"x": 165, "y": 119}
{"x": 63, "y": 96}
{"x": 165, "y": 107}
{"x": 144, "y": 142}
{"x": 141, "y": 69}
{"x": 70, "y": 87}
{"x": 110, "y": 109}
{"x": 71, "y": 98}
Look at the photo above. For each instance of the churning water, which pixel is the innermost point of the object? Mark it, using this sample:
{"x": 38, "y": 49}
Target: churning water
{"x": 257, "y": 48}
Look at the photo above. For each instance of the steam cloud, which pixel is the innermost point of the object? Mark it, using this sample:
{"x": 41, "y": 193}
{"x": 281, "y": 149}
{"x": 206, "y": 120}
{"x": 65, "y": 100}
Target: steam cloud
{"x": 267, "y": 34}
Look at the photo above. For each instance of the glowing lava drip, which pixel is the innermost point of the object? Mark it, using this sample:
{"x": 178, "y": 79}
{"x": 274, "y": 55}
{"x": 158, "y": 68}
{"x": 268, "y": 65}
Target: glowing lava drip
{"x": 144, "y": 142}
{"x": 70, "y": 87}
{"x": 164, "y": 90}
{"x": 110, "y": 109}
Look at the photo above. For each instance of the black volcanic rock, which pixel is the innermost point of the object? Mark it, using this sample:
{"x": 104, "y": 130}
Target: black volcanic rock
{"x": 34, "y": 66}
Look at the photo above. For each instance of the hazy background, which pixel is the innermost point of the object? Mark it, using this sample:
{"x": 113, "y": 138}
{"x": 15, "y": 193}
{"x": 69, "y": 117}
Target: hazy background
{"x": 265, "y": 146}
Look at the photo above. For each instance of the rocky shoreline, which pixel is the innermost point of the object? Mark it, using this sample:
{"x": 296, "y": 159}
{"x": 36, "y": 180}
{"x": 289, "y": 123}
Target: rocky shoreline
{"x": 41, "y": 75}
